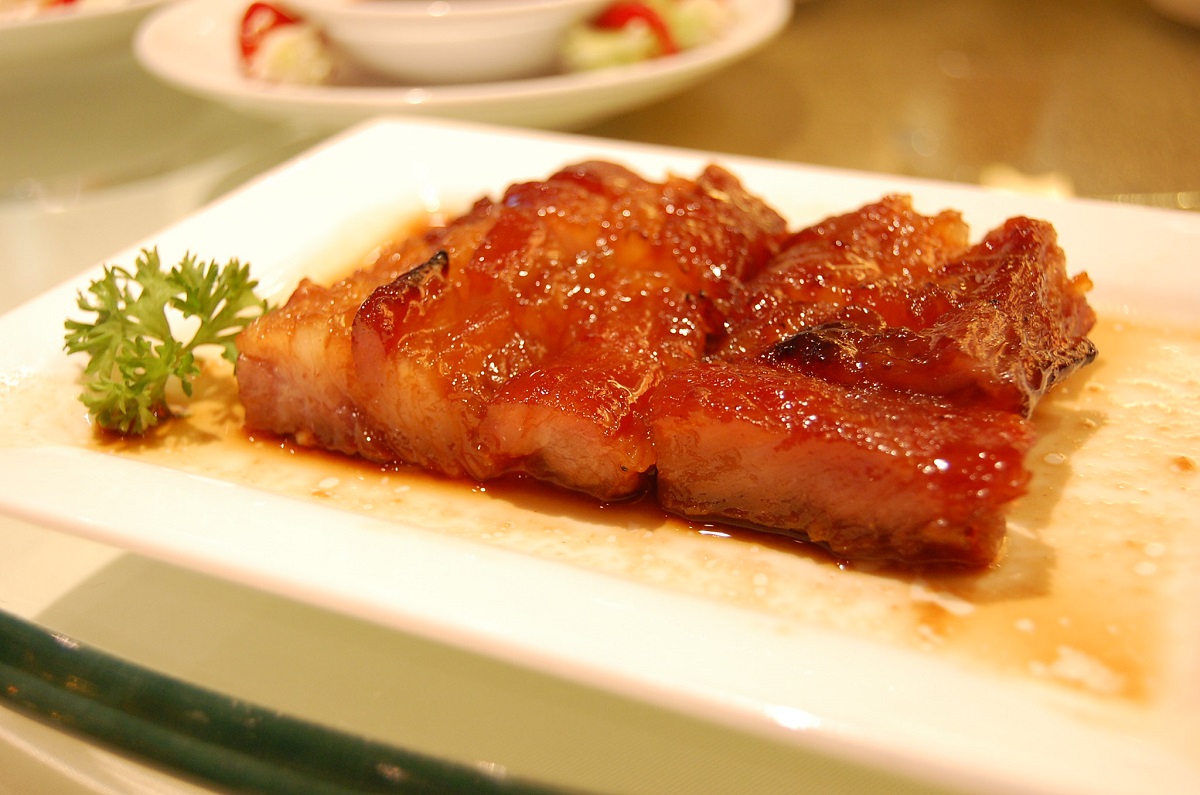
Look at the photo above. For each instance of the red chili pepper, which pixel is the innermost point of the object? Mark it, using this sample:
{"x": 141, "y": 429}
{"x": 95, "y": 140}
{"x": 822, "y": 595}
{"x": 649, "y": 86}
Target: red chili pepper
{"x": 259, "y": 20}
{"x": 621, "y": 13}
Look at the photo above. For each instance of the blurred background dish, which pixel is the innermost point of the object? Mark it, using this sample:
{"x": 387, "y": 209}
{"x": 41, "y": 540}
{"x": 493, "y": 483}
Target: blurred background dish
{"x": 191, "y": 45}
{"x": 29, "y": 40}
{"x": 449, "y": 41}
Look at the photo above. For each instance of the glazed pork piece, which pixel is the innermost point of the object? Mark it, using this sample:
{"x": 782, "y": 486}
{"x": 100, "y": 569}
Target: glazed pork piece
{"x": 867, "y": 473}
{"x": 889, "y": 296}
{"x": 523, "y": 337}
{"x": 872, "y": 390}
{"x": 864, "y": 384}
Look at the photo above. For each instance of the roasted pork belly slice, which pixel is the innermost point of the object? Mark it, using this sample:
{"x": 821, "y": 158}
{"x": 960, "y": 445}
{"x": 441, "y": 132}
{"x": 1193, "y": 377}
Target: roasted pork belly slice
{"x": 1017, "y": 315}
{"x": 872, "y": 389}
{"x": 886, "y": 296}
{"x": 536, "y": 349}
{"x": 865, "y": 383}
{"x": 580, "y": 409}
{"x": 295, "y": 366}
{"x": 861, "y": 263}
{"x": 521, "y": 338}
{"x": 868, "y": 473}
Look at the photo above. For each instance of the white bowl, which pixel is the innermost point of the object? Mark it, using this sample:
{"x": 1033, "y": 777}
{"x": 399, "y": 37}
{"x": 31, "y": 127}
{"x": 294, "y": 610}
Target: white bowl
{"x": 448, "y": 41}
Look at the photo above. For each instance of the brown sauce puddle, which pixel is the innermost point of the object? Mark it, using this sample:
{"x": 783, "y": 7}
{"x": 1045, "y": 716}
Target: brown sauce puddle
{"x": 1077, "y": 600}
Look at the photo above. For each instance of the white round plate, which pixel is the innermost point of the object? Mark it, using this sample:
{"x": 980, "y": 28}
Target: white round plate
{"x": 191, "y": 44}
{"x": 54, "y": 33}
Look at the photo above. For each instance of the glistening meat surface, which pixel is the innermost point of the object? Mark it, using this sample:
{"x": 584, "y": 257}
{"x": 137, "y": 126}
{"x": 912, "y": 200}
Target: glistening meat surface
{"x": 873, "y": 387}
{"x": 867, "y": 473}
{"x": 523, "y": 337}
{"x": 863, "y": 383}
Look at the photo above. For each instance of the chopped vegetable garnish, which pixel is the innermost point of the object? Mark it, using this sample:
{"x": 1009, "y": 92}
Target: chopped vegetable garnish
{"x": 630, "y": 31}
{"x": 258, "y": 21}
{"x": 620, "y": 14}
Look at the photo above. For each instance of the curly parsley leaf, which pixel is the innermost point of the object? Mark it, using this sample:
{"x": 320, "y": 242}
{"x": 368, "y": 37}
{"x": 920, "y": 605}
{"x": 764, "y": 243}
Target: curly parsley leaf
{"x": 133, "y": 353}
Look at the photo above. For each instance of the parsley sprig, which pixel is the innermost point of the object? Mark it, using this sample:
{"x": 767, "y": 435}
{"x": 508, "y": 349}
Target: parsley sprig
{"x": 132, "y": 349}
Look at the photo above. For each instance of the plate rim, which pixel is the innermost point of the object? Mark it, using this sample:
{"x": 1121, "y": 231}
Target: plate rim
{"x": 760, "y": 21}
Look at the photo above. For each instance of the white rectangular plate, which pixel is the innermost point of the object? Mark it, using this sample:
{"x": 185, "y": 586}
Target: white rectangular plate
{"x": 824, "y": 676}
